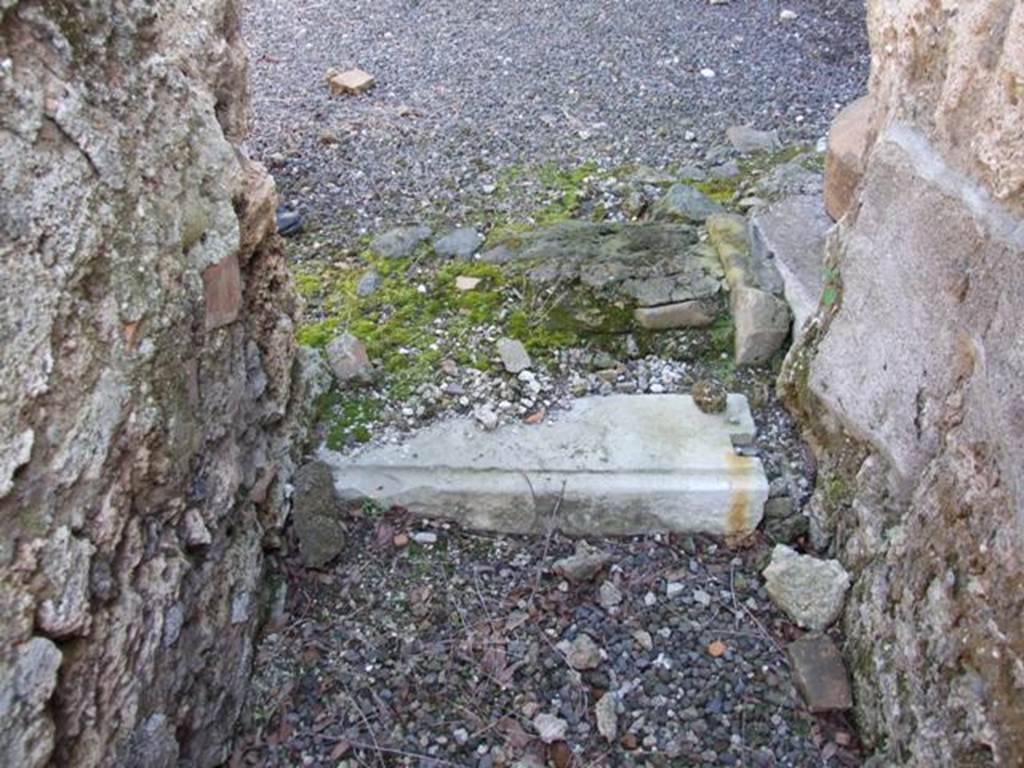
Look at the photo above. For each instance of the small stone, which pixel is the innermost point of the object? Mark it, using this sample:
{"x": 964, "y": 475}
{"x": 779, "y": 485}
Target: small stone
{"x": 449, "y": 367}
{"x": 351, "y": 81}
{"x": 486, "y": 417}
{"x": 347, "y": 358}
{"x": 746, "y": 139}
{"x": 368, "y": 284}
{"x": 809, "y": 590}
{"x": 550, "y": 728}
{"x": 399, "y": 242}
{"x": 466, "y": 283}
{"x": 607, "y": 719}
{"x": 583, "y": 653}
{"x": 461, "y": 735}
{"x": 609, "y": 595}
{"x": 400, "y": 540}
{"x": 787, "y": 15}
{"x": 650, "y": 599}
{"x": 513, "y": 355}
{"x": 701, "y": 597}
{"x": 717, "y": 649}
{"x": 424, "y": 537}
{"x": 709, "y": 395}
{"x": 707, "y": 73}
{"x": 674, "y": 589}
{"x": 584, "y": 565}
{"x": 643, "y": 639}
{"x": 461, "y": 243}
{"x": 819, "y": 673}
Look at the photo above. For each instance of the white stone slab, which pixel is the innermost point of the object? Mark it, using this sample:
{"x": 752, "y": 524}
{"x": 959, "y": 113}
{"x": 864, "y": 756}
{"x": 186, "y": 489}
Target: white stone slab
{"x": 615, "y": 465}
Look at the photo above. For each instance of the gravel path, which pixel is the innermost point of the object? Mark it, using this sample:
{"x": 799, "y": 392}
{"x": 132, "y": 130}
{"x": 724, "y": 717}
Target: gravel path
{"x": 469, "y": 87}
{"x": 429, "y": 646}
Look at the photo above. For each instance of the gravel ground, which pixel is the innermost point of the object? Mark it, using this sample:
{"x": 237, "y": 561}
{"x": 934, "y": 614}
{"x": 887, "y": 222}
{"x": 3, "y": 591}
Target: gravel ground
{"x": 430, "y": 646}
{"x": 469, "y": 87}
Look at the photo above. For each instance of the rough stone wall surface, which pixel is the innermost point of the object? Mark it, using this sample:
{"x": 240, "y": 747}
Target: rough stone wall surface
{"x": 911, "y": 386}
{"x": 146, "y": 382}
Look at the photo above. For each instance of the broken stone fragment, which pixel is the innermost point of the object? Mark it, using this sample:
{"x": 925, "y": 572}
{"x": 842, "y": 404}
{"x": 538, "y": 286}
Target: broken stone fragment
{"x": 607, "y": 719}
{"x": 399, "y": 242}
{"x": 350, "y": 81}
{"x": 819, "y": 673}
{"x": 316, "y": 515}
{"x": 609, "y": 595}
{"x": 513, "y": 355}
{"x": 348, "y": 359}
{"x": 810, "y": 591}
{"x": 698, "y": 313}
{"x": 582, "y": 653}
{"x": 584, "y": 565}
{"x": 686, "y": 204}
{"x": 550, "y": 728}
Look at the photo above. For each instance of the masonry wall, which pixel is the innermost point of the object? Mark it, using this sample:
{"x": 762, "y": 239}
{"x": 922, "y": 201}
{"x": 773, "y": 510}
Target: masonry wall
{"x": 146, "y": 392}
{"x": 911, "y": 385}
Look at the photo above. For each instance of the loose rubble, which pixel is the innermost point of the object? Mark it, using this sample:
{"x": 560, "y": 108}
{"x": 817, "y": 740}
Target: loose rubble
{"x": 809, "y": 590}
{"x": 450, "y": 652}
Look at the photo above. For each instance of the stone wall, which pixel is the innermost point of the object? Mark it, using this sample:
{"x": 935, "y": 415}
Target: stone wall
{"x": 146, "y": 364}
{"x": 911, "y": 385}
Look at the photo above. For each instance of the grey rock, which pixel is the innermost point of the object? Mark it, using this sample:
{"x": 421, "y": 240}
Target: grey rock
{"x": 819, "y": 673}
{"x": 317, "y": 515}
{"x": 460, "y": 243}
{"x": 809, "y": 590}
{"x": 486, "y": 416}
{"x": 747, "y": 139}
{"x": 550, "y": 728}
{"x": 499, "y": 255}
{"x": 348, "y": 360}
{"x": 513, "y": 355}
{"x": 609, "y": 595}
{"x": 727, "y": 170}
{"x": 368, "y": 283}
{"x": 684, "y": 203}
{"x": 607, "y": 718}
{"x": 582, "y": 653}
{"x": 399, "y": 242}
{"x": 762, "y": 325}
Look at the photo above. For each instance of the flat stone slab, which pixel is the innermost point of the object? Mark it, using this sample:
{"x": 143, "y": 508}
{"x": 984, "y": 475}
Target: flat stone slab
{"x": 791, "y": 234}
{"x": 618, "y": 465}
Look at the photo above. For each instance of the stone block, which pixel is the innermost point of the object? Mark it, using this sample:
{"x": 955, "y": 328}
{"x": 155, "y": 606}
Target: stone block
{"x": 791, "y": 235}
{"x": 762, "y": 325}
{"x": 618, "y": 465}
{"x": 698, "y": 313}
{"x": 819, "y": 673}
